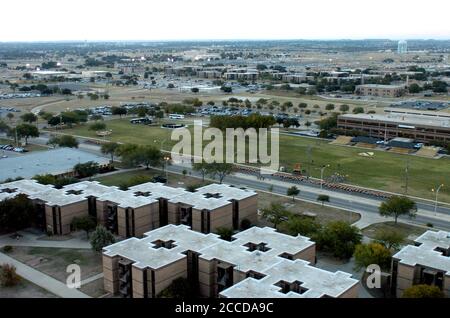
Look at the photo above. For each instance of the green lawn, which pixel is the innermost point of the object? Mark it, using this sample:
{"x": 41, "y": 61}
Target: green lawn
{"x": 131, "y": 178}
{"x": 384, "y": 171}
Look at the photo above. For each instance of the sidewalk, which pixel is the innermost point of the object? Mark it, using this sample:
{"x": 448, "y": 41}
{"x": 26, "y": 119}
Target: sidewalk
{"x": 49, "y": 283}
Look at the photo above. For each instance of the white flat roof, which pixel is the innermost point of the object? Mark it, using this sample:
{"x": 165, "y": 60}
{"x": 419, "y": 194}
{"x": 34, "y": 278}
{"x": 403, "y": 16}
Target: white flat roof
{"x": 274, "y": 268}
{"x": 402, "y": 119}
{"x": 209, "y": 197}
{"x": 426, "y": 254}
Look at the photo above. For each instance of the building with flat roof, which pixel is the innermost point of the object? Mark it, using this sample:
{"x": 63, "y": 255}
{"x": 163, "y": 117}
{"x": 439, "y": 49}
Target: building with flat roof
{"x": 420, "y": 127}
{"x": 62, "y": 163}
{"x": 257, "y": 262}
{"x": 139, "y": 209}
{"x": 425, "y": 262}
{"x": 380, "y": 90}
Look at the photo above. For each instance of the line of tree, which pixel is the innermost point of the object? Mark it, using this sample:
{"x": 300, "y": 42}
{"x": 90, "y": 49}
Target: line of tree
{"x": 237, "y": 121}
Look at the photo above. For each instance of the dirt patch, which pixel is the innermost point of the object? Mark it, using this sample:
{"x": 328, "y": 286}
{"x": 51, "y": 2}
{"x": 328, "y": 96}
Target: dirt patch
{"x": 54, "y": 261}
{"x": 323, "y": 214}
{"x": 25, "y": 289}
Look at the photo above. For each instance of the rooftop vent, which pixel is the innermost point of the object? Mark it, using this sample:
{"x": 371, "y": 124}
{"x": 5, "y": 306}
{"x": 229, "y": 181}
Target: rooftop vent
{"x": 165, "y": 244}
{"x": 212, "y": 195}
{"x": 262, "y": 247}
{"x": 142, "y": 194}
{"x": 287, "y": 287}
{"x": 76, "y": 192}
{"x": 8, "y": 190}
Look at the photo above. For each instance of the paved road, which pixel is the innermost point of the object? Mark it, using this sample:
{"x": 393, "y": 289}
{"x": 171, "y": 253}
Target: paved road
{"x": 338, "y": 199}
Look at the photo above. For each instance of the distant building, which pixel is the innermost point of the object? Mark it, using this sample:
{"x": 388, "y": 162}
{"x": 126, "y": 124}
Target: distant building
{"x": 402, "y": 47}
{"x": 427, "y": 262}
{"x": 411, "y": 124}
{"x": 380, "y": 90}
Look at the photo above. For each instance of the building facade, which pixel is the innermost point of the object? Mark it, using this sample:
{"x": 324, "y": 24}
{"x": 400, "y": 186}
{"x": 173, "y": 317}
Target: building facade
{"x": 139, "y": 209}
{"x": 257, "y": 262}
{"x": 425, "y": 262}
{"x": 421, "y": 128}
{"x": 380, "y": 90}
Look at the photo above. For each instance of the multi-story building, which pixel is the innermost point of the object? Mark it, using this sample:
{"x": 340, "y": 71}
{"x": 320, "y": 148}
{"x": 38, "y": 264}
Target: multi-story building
{"x": 380, "y": 90}
{"x": 427, "y": 262}
{"x": 242, "y": 74}
{"x": 420, "y": 126}
{"x": 257, "y": 262}
{"x": 139, "y": 209}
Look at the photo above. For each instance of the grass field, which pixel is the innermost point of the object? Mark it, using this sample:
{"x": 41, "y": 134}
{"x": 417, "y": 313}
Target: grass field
{"x": 134, "y": 177}
{"x": 385, "y": 171}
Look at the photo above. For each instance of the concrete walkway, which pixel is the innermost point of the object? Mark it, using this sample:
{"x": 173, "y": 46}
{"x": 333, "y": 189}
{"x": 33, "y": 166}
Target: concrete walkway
{"x": 49, "y": 283}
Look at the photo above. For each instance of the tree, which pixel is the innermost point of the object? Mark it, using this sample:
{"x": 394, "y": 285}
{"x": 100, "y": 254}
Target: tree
{"x": 63, "y": 141}
{"x": 29, "y": 118}
{"x": 110, "y": 148}
{"x": 275, "y": 214}
{"x": 101, "y": 237}
{"x": 220, "y": 169}
{"x": 339, "y": 238}
{"x": 148, "y": 156}
{"x": 119, "y": 111}
{"x": 423, "y": 291}
{"x": 391, "y": 239}
{"x": 372, "y": 253}
{"x": 293, "y": 191}
{"x": 10, "y": 116}
{"x": 85, "y": 170}
{"x": 45, "y": 115}
{"x": 8, "y": 275}
{"x": 26, "y": 131}
{"x": 344, "y": 108}
{"x": 329, "y": 107}
{"x": 322, "y": 198}
{"x": 180, "y": 288}
{"x": 302, "y": 225}
{"x": 414, "y": 88}
{"x": 201, "y": 167}
{"x": 97, "y": 126}
{"x": 16, "y": 213}
{"x": 358, "y": 110}
{"x": 225, "y": 233}
{"x": 396, "y": 206}
{"x": 85, "y": 223}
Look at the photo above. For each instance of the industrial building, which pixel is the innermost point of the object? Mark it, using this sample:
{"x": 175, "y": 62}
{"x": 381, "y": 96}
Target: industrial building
{"x": 139, "y": 209}
{"x": 257, "y": 262}
{"x": 421, "y": 126}
{"x": 425, "y": 262}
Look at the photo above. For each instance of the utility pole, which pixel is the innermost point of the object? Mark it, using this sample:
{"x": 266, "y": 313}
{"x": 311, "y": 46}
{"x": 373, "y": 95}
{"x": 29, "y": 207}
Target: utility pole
{"x": 406, "y": 176}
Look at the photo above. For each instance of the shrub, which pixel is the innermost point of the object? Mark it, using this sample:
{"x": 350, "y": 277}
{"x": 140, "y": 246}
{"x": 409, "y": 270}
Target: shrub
{"x": 245, "y": 224}
{"x": 7, "y": 248}
{"x": 8, "y": 276}
{"x": 224, "y": 233}
{"x": 423, "y": 291}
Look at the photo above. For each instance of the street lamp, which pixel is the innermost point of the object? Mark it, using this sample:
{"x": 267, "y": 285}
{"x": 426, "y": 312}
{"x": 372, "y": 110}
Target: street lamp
{"x": 321, "y": 175}
{"x": 436, "y": 200}
{"x": 166, "y": 160}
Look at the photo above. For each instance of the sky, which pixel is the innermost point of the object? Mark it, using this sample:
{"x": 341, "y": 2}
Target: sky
{"x": 92, "y": 20}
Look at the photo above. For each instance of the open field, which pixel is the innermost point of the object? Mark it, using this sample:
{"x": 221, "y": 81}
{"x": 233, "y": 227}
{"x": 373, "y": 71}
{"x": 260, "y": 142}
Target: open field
{"x": 54, "y": 261}
{"x": 25, "y": 289}
{"x": 409, "y": 231}
{"x": 134, "y": 177}
{"x": 324, "y": 214}
{"x": 384, "y": 171}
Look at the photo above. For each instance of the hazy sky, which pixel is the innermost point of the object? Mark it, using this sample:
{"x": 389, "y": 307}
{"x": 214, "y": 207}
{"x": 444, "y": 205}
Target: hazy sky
{"x": 43, "y": 20}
